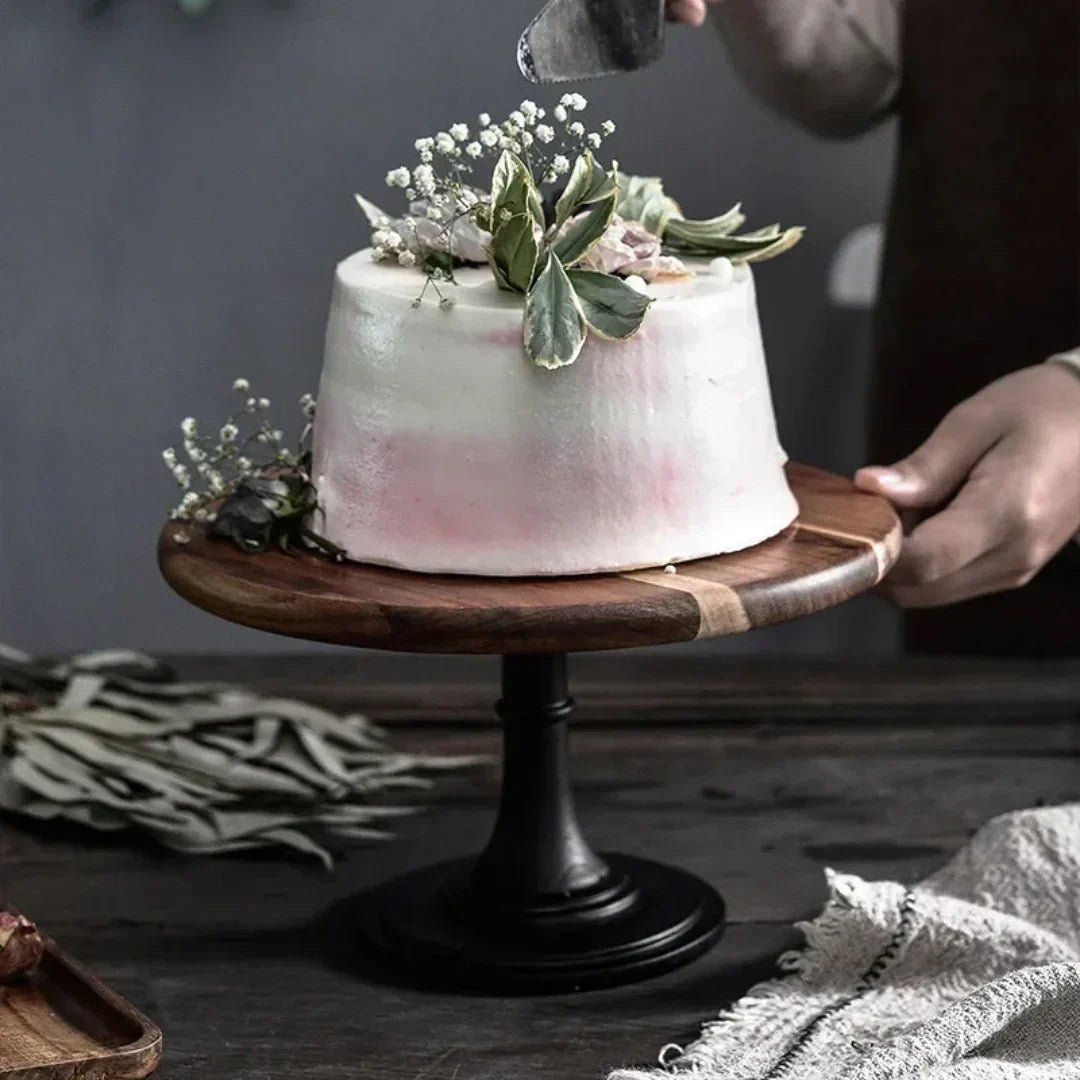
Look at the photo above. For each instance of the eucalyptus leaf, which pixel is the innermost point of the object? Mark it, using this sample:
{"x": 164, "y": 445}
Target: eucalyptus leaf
{"x": 514, "y": 252}
{"x": 203, "y": 767}
{"x": 554, "y": 326}
{"x": 581, "y": 235}
{"x": 612, "y": 308}
{"x": 680, "y": 228}
{"x": 747, "y": 248}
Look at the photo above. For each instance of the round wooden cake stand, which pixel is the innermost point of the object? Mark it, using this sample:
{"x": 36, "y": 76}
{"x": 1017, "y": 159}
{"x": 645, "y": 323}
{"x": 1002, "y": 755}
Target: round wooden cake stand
{"x": 538, "y": 909}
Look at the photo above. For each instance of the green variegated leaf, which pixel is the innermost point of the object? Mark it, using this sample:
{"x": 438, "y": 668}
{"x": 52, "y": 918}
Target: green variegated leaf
{"x": 514, "y": 252}
{"x": 576, "y": 188}
{"x": 554, "y": 326}
{"x": 576, "y": 241}
{"x": 748, "y": 248}
{"x": 612, "y": 308}
{"x": 513, "y": 189}
{"x": 680, "y": 228}
{"x": 642, "y": 199}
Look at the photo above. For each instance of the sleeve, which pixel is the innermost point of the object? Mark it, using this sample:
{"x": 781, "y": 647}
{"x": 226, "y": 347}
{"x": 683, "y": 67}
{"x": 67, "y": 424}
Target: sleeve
{"x": 1070, "y": 359}
{"x": 832, "y": 66}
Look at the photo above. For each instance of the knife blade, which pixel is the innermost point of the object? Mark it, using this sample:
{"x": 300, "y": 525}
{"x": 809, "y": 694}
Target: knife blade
{"x": 587, "y": 39}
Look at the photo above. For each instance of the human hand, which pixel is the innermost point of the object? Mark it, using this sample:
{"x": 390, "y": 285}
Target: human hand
{"x": 997, "y": 488}
{"x": 691, "y": 12}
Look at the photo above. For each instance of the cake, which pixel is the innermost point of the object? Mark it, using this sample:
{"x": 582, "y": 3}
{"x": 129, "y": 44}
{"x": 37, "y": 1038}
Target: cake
{"x": 478, "y": 427}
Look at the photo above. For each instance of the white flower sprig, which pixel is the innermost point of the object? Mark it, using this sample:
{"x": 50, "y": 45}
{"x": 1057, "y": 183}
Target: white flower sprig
{"x": 441, "y": 187}
{"x": 217, "y": 463}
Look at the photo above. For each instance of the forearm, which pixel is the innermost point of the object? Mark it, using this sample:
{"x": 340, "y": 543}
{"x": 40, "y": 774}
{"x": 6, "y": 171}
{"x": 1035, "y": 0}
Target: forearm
{"x": 829, "y": 65}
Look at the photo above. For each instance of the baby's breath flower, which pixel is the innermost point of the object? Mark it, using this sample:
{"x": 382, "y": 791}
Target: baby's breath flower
{"x": 181, "y": 475}
{"x": 561, "y": 164}
{"x": 200, "y": 515}
{"x": 474, "y": 150}
{"x": 490, "y": 137}
{"x": 485, "y": 119}
{"x": 194, "y": 451}
{"x": 577, "y": 102}
{"x": 264, "y": 403}
{"x": 406, "y": 258}
{"x": 378, "y": 254}
{"x": 190, "y": 500}
{"x": 250, "y": 405}
{"x": 446, "y": 303}
{"x": 577, "y": 129}
{"x": 229, "y": 432}
{"x": 517, "y": 118}
{"x": 459, "y": 132}
{"x": 169, "y": 457}
{"x": 545, "y": 133}
{"x": 427, "y": 157}
{"x": 444, "y": 142}
{"x": 307, "y": 403}
{"x": 188, "y": 426}
{"x": 594, "y": 140}
{"x": 410, "y": 194}
{"x": 424, "y": 144}
{"x": 242, "y": 385}
{"x": 398, "y": 177}
{"x": 424, "y": 180}
{"x": 467, "y": 198}
{"x": 181, "y": 538}
{"x": 277, "y": 435}
{"x": 566, "y": 100}
{"x": 216, "y": 482}
{"x": 559, "y": 112}
{"x": 244, "y": 466}
{"x": 529, "y": 110}
{"x": 526, "y": 138}
{"x": 434, "y": 213}
{"x": 607, "y": 127}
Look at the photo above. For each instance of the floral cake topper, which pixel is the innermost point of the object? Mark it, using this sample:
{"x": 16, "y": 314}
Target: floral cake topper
{"x": 580, "y": 255}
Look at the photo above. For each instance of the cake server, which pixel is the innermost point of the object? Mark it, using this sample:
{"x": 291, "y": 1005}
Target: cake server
{"x": 585, "y": 39}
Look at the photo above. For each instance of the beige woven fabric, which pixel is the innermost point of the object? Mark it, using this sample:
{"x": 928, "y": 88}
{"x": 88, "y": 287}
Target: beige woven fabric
{"x": 974, "y": 974}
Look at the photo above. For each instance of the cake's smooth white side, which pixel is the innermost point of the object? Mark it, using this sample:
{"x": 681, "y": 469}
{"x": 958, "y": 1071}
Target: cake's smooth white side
{"x": 440, "y": 447}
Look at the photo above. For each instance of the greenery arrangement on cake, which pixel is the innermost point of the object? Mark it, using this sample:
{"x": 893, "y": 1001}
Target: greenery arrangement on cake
{"x": 242, "y": 481}
{"x": 581, "y": 256}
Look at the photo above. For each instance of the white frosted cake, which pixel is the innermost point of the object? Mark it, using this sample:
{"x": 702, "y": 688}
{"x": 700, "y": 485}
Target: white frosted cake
{"x": 439, "y": 447}
{"x": 545, "y": 368}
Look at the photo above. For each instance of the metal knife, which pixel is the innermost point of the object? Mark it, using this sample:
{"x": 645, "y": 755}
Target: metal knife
{"x": 586, "y": 39}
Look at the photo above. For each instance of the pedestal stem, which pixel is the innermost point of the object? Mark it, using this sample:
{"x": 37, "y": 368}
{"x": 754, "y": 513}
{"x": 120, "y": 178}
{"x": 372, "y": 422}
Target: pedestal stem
{"x": 537, "y": 849}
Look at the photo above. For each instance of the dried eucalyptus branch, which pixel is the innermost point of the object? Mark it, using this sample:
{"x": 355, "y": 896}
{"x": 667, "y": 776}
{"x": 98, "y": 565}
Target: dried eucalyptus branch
{"x": 204, "y": 768}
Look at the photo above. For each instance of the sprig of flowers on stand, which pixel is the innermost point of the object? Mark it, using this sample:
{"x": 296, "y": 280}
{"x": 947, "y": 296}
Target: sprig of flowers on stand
{"x": 243, "y": 483}
{"x": 582, "y": 255}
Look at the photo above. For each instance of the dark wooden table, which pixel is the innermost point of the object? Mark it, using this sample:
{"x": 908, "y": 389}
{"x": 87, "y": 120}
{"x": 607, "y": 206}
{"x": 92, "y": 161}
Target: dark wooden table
{"x": 882, "y": 769}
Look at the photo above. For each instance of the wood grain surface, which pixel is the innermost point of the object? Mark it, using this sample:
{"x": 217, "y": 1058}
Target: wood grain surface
{"x": 842, "y": 544}
{"x": 232, "y": 958}
{"x": 64, "y": 1023}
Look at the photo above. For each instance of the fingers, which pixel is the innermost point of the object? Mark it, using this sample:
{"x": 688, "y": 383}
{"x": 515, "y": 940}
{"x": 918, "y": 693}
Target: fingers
{"x": 927, "y": 477}
{"x": 995, "y": 535}
{"x": 691, "y": 12}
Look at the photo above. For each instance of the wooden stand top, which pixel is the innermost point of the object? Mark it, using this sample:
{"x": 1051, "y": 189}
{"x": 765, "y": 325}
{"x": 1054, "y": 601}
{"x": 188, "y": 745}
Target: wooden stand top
{"x": 842, "y": 544}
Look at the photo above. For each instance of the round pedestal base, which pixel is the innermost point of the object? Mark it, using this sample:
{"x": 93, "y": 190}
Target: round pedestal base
{"x": 647, "y": 919}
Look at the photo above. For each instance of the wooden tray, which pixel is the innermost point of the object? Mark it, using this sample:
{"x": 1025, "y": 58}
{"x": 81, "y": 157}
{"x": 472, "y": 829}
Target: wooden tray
{"x": 64, "y": 1023}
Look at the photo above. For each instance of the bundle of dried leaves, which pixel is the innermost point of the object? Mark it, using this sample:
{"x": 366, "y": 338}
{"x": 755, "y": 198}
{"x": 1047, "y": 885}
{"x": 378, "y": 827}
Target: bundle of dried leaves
{"x": 103, "y": 739}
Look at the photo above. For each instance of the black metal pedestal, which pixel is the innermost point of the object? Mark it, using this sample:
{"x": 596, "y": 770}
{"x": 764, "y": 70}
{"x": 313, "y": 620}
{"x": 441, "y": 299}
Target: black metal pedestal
{"x": 539, "y": 910}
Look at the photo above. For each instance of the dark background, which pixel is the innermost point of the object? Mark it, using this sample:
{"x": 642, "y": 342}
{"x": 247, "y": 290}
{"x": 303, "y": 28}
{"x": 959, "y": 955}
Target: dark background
{"x": 174, "y": 194}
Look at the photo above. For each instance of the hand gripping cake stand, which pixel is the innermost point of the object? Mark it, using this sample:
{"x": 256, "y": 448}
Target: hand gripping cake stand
{"x": 538, "y": 909}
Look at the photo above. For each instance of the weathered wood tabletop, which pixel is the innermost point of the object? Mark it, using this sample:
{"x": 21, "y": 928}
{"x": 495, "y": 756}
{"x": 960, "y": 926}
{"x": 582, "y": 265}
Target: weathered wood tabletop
{"x": 753, "y": 775}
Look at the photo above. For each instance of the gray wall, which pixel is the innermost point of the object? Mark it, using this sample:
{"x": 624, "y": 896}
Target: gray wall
{"x": 174, "y": 195}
